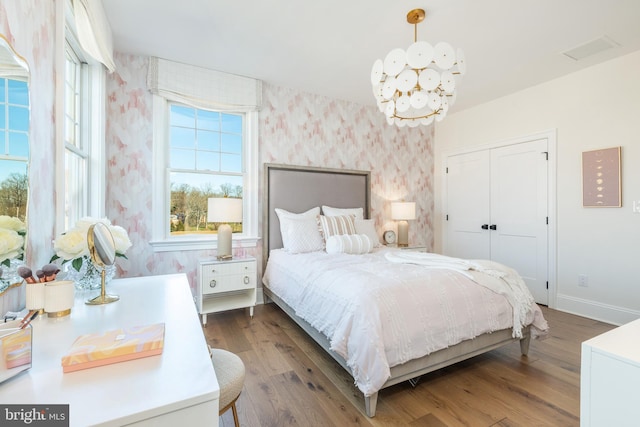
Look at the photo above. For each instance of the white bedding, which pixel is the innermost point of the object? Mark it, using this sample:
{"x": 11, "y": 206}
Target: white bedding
{"x": 378, "y": 314}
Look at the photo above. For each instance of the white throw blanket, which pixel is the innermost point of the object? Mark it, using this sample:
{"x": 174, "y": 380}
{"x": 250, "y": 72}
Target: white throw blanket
{"x": 490, "y": 274}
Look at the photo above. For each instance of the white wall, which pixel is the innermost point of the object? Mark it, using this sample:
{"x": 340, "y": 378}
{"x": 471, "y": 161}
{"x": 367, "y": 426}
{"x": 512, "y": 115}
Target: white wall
{"x": 591, "y": 109}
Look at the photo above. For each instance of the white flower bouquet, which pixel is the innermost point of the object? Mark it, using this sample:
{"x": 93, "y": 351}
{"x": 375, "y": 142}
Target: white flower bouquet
{"x": 72, "y": 245}
{"x": 12, "y": 232}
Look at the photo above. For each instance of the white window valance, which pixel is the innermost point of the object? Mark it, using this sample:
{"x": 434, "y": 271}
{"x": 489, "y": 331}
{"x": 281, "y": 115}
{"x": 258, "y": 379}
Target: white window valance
{"x": 12, "y": 65}
{"x": 203, "y": 88}
{"x": 94, "y": 32}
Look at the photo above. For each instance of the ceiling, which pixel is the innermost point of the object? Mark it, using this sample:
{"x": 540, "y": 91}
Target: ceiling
{"x": 328, "y": 47}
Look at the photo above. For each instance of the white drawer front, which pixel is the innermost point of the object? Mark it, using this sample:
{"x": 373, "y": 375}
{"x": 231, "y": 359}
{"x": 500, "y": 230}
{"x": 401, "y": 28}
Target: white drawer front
{"x": 230, "y": 268}
{"x": 228, "y": 277}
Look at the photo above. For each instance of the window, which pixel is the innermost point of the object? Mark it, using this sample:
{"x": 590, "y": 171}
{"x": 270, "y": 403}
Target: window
{"x": 76, "y": 153}
{"x": 83, "y": 113}
{"x": 205, "y": 161}
{"x": 205, "y": 144}
{"x": 14, "y": 147}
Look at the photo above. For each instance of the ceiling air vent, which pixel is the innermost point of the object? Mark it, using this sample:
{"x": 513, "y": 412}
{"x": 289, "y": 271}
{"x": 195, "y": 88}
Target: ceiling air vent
{"x": 590, "y": 48}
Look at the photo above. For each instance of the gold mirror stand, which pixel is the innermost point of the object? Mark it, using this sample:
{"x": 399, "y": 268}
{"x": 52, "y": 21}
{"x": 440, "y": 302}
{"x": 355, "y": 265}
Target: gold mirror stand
{"x": 102, "y": 251}
{"x": 103, "y": 298}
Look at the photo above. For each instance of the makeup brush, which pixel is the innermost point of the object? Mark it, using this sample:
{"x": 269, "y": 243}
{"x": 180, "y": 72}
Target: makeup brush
{"x": 50, "y": 271}
{"x": 26, "y": 274}
{"x": 40, "y": 276}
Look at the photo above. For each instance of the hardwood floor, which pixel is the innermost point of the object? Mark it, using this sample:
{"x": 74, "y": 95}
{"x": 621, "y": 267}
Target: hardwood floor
{"x": 291, "y": 381}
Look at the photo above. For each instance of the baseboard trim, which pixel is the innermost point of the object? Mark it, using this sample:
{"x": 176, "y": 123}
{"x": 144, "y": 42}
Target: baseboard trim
{"x": 596, "y": 310}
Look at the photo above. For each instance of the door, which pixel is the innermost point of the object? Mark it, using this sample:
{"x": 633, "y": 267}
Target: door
{"x": 506, "y": 219}
{"x": 468, "y": 205}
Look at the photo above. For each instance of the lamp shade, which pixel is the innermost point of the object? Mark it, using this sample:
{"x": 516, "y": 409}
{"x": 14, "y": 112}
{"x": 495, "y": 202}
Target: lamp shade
{"x": 403, "y": 211}
{"x": 224, "y": 209}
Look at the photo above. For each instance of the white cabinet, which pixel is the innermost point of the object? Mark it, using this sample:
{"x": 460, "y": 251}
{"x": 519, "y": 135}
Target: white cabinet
{"x": 609, "y": 378}
{"x": 226, "y": 285}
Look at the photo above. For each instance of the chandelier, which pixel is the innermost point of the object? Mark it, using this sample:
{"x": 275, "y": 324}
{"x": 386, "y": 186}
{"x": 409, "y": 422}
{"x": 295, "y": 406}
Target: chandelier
{"x": 416, "y": 86}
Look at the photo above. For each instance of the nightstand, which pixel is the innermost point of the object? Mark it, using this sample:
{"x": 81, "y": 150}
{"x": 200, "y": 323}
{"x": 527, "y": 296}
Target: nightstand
{"x": 226, "y": 285}
{"x": 409, "y": 248}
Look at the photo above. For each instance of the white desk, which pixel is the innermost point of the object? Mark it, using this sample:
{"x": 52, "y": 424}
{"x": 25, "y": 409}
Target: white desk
{"x": 610, "y": 375}
{"x": 178, "y": 387}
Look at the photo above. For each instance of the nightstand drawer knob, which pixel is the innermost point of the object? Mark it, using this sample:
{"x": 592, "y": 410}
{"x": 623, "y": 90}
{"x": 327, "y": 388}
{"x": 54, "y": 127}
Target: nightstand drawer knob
{"x": 213, "y": 283}
{"x": 213, "y": 270}
{"x": 246, "y": 280}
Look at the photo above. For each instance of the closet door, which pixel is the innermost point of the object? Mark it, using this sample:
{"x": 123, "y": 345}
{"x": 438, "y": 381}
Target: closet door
{"x": 468, "y": 205}
{"x": 497, "y": 210}
{"x": 519, "y": 212}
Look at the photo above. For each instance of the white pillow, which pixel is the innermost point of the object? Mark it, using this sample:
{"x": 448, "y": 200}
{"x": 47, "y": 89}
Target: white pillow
{"x": 283, "y": 215}
{"x": 336, "y": 225}
{"x": 349, "y": 244}
{"x": 302, "y": 235}
{"x": 368, "y": 227}
{"x": 329, "y": 211}
{"x": 312, "y": 213}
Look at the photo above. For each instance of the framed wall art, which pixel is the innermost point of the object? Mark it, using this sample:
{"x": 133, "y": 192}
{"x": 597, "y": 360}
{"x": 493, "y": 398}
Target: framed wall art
{"x": 601, "y": 182}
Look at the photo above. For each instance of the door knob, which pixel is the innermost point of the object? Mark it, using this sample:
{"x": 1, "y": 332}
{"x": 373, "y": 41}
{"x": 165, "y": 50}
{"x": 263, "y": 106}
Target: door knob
{"x": 485, "y": 226}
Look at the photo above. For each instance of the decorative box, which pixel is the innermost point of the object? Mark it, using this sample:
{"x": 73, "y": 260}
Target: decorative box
{"x": 118, "y": 345}
{"x": 15, "y": 349}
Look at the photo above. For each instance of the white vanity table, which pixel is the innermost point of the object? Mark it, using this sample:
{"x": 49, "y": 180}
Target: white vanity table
{"x": 178, "y": 387}
{"x": 610, "y": 374}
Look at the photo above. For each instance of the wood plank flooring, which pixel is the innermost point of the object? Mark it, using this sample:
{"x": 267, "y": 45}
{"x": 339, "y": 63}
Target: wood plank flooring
{"x": 291, "y": 381}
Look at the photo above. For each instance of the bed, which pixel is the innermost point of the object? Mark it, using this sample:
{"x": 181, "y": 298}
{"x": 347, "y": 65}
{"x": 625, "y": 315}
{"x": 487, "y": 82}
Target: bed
{"x": 373, "y": 334}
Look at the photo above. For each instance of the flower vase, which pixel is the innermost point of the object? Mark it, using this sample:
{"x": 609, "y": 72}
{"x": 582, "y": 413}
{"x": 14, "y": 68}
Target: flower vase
{"x": 11, "y": 291}
{"x": 9, "y": 274}
{"x": 89, "y": 277}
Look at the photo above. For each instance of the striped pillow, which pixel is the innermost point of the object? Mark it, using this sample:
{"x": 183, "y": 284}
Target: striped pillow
{"x": 349, "y": 244}
{"x": 336, "y": 225}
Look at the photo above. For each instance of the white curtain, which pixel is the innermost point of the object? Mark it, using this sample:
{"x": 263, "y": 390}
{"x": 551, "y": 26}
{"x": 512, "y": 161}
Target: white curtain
{"x": 94, "y": 31}
{"x": 203, "y": 88}
{"x": 12, "y": 65}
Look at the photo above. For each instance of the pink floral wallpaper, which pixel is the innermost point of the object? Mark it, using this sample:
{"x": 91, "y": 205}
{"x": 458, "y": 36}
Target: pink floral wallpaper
{"x": 295, "y": 128}
{"x": 29, "y": 25}
{"x": 304, "y": 129}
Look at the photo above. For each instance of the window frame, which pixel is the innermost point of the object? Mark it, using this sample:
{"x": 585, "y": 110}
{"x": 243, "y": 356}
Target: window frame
{"x": 92, "y": 127}
{"x": 161, "y": 240}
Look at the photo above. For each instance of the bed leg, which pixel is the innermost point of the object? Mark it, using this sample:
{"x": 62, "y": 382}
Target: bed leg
{"x": 524, "y": 344}
{"x": 370, "y": 403}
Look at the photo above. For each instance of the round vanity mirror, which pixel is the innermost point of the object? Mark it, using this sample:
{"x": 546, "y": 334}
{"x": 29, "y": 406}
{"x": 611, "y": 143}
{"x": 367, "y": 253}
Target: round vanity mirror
{"x": 102, "y": 249}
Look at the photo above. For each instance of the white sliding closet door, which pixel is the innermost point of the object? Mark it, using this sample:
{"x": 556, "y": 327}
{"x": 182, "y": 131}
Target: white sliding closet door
{"x": 497, "y": 209}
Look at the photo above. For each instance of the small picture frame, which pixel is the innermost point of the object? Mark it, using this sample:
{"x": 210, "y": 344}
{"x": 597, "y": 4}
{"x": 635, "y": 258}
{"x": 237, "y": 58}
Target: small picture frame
{"x": 601, "y": 181}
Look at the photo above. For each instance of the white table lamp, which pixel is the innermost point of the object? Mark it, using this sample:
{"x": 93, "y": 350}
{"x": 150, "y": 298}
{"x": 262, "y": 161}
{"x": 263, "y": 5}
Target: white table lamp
{"x": 224, "y": 210}
{"x": 403, "y": 212}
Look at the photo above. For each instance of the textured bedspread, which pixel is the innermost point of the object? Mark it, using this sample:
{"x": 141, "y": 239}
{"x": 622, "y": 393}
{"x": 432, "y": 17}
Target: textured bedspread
{"x": 378, "y": 314}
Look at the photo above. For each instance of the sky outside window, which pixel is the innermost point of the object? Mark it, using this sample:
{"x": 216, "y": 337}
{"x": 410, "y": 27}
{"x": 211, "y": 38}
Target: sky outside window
{"x": 14, "y": 127}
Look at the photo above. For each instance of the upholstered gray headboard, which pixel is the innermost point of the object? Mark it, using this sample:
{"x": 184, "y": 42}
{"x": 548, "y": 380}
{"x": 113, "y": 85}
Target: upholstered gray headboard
{"x": 299, "y": 188}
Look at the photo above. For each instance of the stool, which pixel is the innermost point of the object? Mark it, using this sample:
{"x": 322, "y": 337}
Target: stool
{"x": 230, "y": 372}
